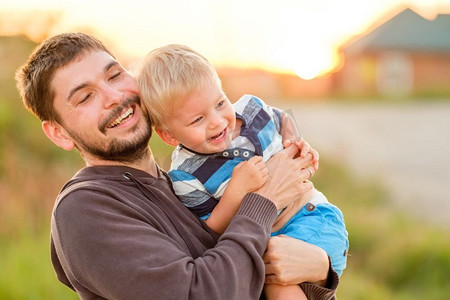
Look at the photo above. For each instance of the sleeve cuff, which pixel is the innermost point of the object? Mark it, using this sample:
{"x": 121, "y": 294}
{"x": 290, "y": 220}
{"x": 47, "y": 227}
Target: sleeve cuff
{"x": 313, "y": 291}
{"x": 258, "y": 208}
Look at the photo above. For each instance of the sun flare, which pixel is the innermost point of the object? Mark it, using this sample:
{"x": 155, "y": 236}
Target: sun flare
{"x": 307, "y": 71}
{"x": 314, "y": 62}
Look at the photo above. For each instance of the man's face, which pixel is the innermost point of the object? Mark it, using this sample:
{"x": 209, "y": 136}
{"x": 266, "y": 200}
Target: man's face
{"x": 99, "y": 107}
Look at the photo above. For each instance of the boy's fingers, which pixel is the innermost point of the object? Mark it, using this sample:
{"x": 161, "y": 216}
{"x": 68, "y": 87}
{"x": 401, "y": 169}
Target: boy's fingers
{"x": 316, "y": 159}
{"x": 287, "y": 143}
{"x": 316, "y": 165}
{"x": 255, "y": 159}
{"x": 290, "y": 151}
{"x": 303, "y": 162}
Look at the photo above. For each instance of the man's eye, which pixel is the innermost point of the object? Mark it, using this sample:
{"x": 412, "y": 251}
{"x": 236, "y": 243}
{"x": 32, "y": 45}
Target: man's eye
{"x": 85, "y": 98}
{"x": 115, "y": 75}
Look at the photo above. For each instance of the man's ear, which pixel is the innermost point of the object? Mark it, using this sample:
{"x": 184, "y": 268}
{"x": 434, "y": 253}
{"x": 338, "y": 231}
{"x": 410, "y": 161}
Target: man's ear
{"x": 166, "y": 136}
{"x": 58, "y": 135}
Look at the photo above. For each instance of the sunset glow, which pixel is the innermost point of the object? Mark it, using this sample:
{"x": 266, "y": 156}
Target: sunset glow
{"x": 293, "y": 36}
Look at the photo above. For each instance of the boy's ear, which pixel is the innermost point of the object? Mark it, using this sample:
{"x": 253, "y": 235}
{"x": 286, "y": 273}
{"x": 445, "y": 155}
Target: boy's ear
{"x": 58, "y": 135}
{"x": 166, "y": 136}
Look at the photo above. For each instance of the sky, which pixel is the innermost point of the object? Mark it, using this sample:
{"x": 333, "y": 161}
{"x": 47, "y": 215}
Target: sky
{"x": 293, "y": 36}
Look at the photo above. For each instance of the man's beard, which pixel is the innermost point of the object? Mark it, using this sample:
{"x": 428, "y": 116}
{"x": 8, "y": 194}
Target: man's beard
{"x": 117, "y": 150}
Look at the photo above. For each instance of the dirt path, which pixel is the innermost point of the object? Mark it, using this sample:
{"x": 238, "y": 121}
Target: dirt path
{"x": 406, "y": 145}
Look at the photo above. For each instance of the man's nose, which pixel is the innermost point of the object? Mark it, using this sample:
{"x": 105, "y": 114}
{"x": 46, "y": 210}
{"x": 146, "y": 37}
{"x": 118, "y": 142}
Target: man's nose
{"x": 111, "y": 95}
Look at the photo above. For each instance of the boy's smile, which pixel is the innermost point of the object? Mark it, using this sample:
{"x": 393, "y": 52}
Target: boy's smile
{"x": 219, "y": 137}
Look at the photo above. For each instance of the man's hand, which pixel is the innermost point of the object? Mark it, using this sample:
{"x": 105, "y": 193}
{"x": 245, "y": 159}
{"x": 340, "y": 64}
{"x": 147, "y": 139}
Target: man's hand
{"x": 292, "y": 261}
{"x": 288, "y": 178}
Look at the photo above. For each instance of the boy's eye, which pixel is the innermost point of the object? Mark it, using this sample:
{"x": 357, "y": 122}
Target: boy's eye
{"x": 197, "y": 120}
{"x": 220, "y": 104}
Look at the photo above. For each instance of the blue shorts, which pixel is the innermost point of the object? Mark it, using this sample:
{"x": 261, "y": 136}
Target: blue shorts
{"x": 322, "y": 224}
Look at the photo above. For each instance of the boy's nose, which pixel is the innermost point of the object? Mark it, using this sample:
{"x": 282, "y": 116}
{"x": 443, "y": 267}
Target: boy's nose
{"x": 215, "y": 121}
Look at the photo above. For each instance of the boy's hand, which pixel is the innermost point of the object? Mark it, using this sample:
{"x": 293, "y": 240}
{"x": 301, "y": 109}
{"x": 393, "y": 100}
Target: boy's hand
{"x": 304, "y": 149}
{"x": 249, "y": 175}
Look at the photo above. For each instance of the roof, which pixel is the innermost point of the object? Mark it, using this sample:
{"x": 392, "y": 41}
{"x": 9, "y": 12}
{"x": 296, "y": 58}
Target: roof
{"x": 406, "y": 31}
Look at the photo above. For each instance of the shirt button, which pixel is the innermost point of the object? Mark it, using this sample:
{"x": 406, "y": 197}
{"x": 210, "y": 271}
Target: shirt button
{"x": 225, "y": 153}
{"x": 236, "y": 152}
{"x": 310, "y": 207}
{"x": 246, "y": 154}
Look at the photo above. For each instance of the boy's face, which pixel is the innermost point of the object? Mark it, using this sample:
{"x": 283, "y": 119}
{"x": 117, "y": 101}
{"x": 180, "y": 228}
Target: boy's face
{"x": 203, "y": 120}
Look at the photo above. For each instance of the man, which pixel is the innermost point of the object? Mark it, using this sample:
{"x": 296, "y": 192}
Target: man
{"x": 118, "y": 231}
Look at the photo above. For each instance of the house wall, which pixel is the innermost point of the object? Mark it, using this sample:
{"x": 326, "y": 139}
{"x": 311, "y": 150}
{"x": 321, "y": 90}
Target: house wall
{"x": 357, "y": 76}
{"x": 394, "y": 73}
{"x": 432, "y": 73}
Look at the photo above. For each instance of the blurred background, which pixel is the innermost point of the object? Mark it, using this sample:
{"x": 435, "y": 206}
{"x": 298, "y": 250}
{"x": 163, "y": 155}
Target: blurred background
{"x": 368, "y": 83}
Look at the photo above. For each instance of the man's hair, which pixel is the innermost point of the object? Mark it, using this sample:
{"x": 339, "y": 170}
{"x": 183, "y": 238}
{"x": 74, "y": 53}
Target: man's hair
{"x": 35, "y": 76}
{"x": 171, "y": 72}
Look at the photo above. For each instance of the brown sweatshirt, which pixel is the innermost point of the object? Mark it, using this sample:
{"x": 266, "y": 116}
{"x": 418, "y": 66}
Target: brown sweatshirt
{"x": 120, "y": 233}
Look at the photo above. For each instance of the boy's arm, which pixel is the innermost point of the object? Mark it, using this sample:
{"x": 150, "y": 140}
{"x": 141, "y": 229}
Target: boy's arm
{"x": 246, "y": 177}
{"x": 289, "y": 131}
{"x": 290, "y": 135}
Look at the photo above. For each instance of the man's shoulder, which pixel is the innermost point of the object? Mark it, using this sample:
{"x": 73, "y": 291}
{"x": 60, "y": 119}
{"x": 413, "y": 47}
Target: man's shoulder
{"x": 80, "y": 186}
{"x": 78, "y": 191}
{"x": 91, "y": 183}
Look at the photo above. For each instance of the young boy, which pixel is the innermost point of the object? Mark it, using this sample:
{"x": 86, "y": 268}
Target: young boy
{"x": 221, "y": 149}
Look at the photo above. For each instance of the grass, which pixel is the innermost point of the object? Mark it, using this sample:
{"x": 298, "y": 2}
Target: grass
{"x": 26, "y": 269}
{"x": 392, "y": 255}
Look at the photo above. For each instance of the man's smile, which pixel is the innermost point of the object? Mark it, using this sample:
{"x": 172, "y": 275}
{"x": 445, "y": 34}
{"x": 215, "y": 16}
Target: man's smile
{"x": 120, "y": 115}
{"x": 122, "y": 118}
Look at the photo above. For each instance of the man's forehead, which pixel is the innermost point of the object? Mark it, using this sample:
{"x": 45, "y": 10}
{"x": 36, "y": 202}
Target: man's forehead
{"x": 91, "y": 60}
{"x": 81, "y": 70}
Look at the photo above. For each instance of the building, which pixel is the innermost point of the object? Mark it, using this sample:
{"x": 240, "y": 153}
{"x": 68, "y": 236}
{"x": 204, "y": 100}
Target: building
{"x": 407, "y": 55}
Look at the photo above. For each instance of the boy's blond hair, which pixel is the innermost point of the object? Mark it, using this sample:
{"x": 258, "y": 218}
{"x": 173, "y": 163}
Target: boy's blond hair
{"x": 168, "y": 73}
